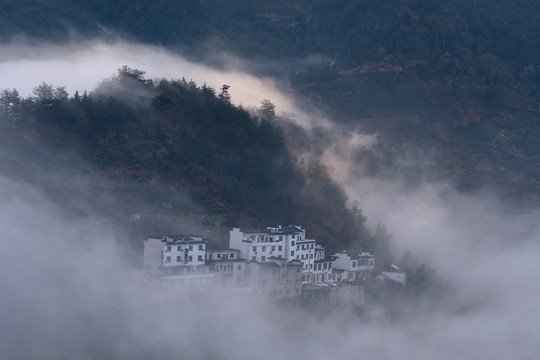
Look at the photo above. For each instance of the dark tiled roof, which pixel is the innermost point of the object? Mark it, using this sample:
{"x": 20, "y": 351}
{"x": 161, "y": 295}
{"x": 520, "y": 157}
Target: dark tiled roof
{"x": 285, "y": 230}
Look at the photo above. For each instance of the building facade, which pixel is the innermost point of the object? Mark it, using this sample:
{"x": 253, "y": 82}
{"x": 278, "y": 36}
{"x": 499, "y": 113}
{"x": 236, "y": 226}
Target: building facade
{"x": 286, "y": 242}
{"x": 173, "y": 251}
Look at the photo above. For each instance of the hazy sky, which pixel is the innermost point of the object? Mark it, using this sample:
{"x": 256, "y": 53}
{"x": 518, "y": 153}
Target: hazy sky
{"x": 66, "y": 288}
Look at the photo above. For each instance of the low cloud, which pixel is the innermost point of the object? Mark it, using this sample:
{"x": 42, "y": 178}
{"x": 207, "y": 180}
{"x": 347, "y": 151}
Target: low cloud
{"x": 82, "y": 66}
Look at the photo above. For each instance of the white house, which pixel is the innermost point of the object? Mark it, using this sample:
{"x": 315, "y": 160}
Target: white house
{"x": 323, "y": 272}
{"x": 287, "y": 242}
{"x": 227, "y": 266}
{"x": 354, "y": 268}
{"x": 222, "y": 254}
{"x": 169, "y": 251}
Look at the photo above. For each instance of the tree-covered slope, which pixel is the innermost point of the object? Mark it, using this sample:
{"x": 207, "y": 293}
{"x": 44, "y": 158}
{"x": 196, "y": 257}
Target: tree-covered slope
{"x": 351, "y": 31}
{"x": 174, "y": 147}
{"x": 454, "y": 80}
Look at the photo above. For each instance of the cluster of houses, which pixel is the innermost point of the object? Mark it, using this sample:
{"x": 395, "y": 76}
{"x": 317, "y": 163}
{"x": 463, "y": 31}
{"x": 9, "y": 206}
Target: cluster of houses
{"x": 279, "y": 261}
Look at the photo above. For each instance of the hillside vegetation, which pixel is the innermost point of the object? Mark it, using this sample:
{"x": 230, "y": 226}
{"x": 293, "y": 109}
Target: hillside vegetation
{"x": 452, "y": 81}
{"x": 174, "y": 147}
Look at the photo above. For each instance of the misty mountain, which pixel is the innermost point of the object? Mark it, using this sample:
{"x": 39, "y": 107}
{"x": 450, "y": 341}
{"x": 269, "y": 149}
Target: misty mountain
{"x": 423, "y": 114}
{"x": 451, "y": 82}
{"x": 172, "y": 147}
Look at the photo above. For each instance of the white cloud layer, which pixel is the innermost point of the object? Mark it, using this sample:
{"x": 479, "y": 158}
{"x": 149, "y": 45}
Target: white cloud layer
{"x": 81, "y": 66}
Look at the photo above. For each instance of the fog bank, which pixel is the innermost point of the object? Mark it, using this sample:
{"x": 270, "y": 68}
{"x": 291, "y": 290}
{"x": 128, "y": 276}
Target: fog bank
{"x": 83, "y": 65}
{"x": 66, "y": 293}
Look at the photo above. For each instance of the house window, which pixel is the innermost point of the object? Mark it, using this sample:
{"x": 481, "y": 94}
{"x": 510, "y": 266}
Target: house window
{"x": 199, "y": 258}
{"x": 311, "y": 256}
{"x": 168, "y": 259}
{"x": 264, "y": 248}
{"x": 232, "y": 255}
{"x": 280, "y": 237}
{"x": 179, "y": 248}
{"x": 219, "y": 256}
{"x": 354, "y": 264}
{"x": 280, "y": 248}
{"x": 292, "y": 253}
{"x": 273, "y": 248}
{"x": 253, "y": 258}
{"x": 190, "y": 247}
{"x": 190, "y": 258}
{"x": 168, "y": 248}
{"x": 364, "y": 262}
{"x": 254, "y": 249}
{"x": 263, "y": 258}
{"x": 292, "y": 243}
{"x": 239, "y": 267}
{"x": 178, "y": 259}
{"x": 200, "y": 247}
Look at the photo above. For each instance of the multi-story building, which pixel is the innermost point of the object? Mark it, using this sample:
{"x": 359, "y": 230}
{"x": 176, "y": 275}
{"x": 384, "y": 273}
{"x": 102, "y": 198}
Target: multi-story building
{"x": 287, "y": 242}
{"x": 171, "y": 251}
{"x": 277, "y": 277}
{"x": 276, "y": 261}
{"x": 220, "y": 255}
{"x": 323, "y": 272}
{"x": 228, "y": 268}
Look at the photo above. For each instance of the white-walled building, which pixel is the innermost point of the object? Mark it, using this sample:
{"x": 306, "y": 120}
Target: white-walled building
{"x": 162, "y": 252}
{"x": 193, "y": 277}
{"x": 287, "y": 242}
{"x": 228, "y": 268}
{"x": 354, "y": 268}
{"x": 323, "y": 272}
{"x": 275, "y": 261}
{"x": 220, "y": 255}
{"x": 277, "y": 277}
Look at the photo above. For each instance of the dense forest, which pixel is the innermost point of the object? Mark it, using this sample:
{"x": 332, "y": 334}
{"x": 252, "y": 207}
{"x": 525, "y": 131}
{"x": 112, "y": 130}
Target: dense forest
{"x": 452, "y": 77}
{"x": 175, "y": 148}
{"x": 454, "y": 33}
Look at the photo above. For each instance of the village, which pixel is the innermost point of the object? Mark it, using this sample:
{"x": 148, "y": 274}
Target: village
{"x": 278, "y": 262}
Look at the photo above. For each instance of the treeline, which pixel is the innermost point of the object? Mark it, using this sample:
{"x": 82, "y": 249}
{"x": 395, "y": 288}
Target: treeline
{"x": 156, "y": 142}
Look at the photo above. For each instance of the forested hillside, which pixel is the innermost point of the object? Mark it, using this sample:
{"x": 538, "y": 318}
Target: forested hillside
{"x": 176, "y": 148}
{"x": 449, "y": 87}
{"x": 453, "y": 78}
{"x": 454, "y": 33}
